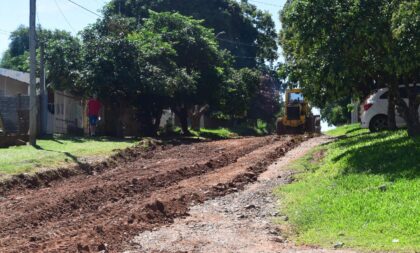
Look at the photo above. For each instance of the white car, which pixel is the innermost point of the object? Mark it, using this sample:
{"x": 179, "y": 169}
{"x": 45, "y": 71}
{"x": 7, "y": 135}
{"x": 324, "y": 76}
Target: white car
{"x": 375, "y": 110}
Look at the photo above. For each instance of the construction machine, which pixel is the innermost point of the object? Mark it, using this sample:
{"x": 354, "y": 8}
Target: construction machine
{"x": 298, "y": 117}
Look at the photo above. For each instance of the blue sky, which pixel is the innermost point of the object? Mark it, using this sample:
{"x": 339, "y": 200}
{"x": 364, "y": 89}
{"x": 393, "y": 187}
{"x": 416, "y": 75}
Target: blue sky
{"x": 16, "y": 12}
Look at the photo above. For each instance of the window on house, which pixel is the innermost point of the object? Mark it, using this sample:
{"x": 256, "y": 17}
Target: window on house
{"x": 1, "y": 93}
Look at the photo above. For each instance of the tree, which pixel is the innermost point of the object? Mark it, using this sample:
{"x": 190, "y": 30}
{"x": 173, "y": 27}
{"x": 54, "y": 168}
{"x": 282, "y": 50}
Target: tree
{"x": 62, "y": 55}
{"x": 109, "y": 68}
{"x": 172, "y": 61}
{"x": 248, "y": 33}
{"x": 241, "y": 88}
{"x": 265, "y": 104}
{"x": 405, "y": 25}
{"x": 337, "y": 112}
{"x": 16, "y": 57}
{"x": 335, "y": 48}
{"x": 200, "y": 63}
{"x": 160, "y": 77}
{"x": 63, "y": 59}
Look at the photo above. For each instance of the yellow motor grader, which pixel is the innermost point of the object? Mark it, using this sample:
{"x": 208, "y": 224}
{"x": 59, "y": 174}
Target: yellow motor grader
{"x": 298, "y": 117}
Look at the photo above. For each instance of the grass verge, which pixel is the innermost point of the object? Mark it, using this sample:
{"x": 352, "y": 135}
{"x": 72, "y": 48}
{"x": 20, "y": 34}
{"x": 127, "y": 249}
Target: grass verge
{"x": 364, "y": 192}
{"x": 220, "y": 133}
{"x": 226, "y": 133}
{"x": 55, "y": 152}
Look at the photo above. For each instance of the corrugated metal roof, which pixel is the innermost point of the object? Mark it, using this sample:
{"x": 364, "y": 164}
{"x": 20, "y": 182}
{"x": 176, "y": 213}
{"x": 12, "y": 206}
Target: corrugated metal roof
{"x": 16, "y": 75}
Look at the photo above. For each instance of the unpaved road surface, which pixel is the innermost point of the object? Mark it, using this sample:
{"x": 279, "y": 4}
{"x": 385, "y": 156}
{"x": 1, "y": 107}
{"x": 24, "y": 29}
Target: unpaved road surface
{"x": 103, "y": 211}
{"x": 241, "y": 222}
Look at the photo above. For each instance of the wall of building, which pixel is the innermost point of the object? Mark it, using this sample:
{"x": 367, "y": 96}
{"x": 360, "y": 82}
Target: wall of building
{"x": 11, "y": 87}
{"x": 15, "y": 113}
{"x": 68, "y": 116}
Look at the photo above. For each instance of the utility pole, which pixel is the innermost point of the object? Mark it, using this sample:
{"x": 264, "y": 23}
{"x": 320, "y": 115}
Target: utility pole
{"x": 32, "y": 87}
{"x": 44, "y": 93}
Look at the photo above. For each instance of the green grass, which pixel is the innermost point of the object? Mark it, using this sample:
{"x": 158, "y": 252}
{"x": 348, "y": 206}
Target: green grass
{"x": 339, "y": 199}
{"x": 228, "y": 133}
{"x": 344, "y": 130}
{"x": 56, "y": 152}
{"x": 221, "y": 133}
{"x": 216, "y": 134}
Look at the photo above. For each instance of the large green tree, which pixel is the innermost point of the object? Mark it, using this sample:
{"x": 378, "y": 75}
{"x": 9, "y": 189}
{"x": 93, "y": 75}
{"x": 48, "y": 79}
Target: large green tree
{"x": 200, "y": 63}
{"x": 405, "y": 28}
{"x": 16, "y": 57}
{"x": 62, "y": 59}
{"x": 172, "y": 61}
{"x": 336, "y": 48}
{"x": 247, "y": 32}
{"x": 240, "y": 89}
{"x": 62, "y": 55}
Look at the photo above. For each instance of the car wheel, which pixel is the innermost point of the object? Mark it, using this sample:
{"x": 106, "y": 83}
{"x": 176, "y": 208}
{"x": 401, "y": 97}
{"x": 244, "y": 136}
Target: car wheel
{"x": 378, "y": 123}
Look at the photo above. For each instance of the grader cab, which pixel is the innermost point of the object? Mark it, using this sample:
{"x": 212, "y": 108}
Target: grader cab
{"x": 298, "y": 117}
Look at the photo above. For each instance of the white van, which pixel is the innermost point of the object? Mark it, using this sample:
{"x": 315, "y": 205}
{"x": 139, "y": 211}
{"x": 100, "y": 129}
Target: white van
{"x": 375, "y": 109}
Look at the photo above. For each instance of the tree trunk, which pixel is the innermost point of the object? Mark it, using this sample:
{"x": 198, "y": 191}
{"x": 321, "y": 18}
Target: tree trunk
{"x": 182, "y": 114}
{"x": 120, "y": 120}
{"x": 156, "y": 124}
{"x": 150, "y": 122}
{"x": 196, "y": 115}
{"x": 410, "y": 113}
{"x": 392, "y": 90}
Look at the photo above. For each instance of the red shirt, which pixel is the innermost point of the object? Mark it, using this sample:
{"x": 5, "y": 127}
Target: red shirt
{"x": 94, "y": 106}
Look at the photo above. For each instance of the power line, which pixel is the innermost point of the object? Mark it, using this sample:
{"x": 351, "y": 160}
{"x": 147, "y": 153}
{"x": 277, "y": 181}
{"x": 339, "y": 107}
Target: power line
{"x": 64, "y": 16}
{"x": 84, "y": 8}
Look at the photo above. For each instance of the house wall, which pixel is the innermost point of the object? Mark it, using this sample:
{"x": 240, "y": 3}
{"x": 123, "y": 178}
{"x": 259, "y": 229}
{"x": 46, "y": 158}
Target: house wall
{"x": 15, "y": 113}
{"x": 68, "y": 116}
{"x": 11, "y": 87}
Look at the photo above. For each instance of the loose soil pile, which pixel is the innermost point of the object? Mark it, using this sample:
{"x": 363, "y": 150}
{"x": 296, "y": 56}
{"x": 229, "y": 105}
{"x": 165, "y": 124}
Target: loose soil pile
{"x": 102, "y": 209}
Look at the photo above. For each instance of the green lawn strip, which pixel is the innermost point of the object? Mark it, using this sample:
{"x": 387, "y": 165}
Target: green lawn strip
{"x": 216, "y": 134}
{"x": 344, "y": 130}
{"x": 364, "y": 193}
{"x": 51, "y": 153}
{"x": 220, "y": 133}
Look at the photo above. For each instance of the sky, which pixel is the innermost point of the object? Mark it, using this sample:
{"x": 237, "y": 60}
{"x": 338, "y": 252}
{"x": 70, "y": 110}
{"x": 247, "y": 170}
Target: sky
{"x": 63, "y": 15}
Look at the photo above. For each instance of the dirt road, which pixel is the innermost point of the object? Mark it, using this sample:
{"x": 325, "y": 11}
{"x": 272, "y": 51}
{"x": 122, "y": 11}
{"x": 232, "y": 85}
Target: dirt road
{"x": 242, "y": 222}
{"x": 103, "y": 211}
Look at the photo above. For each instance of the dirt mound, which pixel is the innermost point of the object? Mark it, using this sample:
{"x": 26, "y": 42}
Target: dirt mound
{"x": 138, "y": 190}
{"x": 145, "y": 149}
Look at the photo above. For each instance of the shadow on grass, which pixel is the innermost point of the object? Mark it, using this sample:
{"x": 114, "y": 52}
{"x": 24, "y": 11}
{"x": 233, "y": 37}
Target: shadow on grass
{"x": 72, "y": 157}
{"x": 361, "y": 138}
{"x": 395, "y": 158}
{"x": 353, "y": 130}
{"x": 80, "y": 139}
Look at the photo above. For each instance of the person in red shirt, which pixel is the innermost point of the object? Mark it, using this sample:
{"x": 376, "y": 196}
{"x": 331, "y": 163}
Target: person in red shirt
{"x": 93, "y": 108}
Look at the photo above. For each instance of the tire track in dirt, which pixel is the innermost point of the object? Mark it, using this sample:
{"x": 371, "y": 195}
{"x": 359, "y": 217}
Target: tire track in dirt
{"x": 100, "y": 212}
{"x": 241, "y": 222}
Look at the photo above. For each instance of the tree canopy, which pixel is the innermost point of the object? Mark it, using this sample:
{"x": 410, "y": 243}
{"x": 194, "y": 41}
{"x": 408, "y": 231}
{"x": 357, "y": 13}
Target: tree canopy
{"x": 336, "y": 48}
{"x": 62, "y": 55}
{"x": 247, "y": 32}
{"x": 147, "y": 56}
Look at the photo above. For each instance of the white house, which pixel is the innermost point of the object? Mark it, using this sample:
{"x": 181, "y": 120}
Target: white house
{"x": 13, "y": 83}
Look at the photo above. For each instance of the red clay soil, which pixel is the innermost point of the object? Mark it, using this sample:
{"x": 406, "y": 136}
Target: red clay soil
{"x": 104, "y": 210}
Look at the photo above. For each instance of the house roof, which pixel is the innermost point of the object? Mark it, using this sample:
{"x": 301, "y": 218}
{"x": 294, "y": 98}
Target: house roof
{"x": 16, "y": 75}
